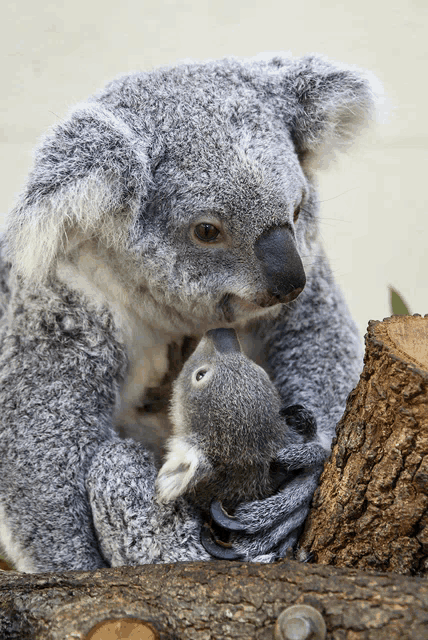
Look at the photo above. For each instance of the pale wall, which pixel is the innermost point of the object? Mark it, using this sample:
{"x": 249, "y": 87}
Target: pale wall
{"x": 374, "y": 210}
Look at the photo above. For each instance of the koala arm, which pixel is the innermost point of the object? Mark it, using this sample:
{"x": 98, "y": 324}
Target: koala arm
{"x": 131, "y": 526}
{"x": 59, "y": 376}
{"x": 315, "y": 353}
{"x": 72, "y": 494}
{"x": 315, "y": 358}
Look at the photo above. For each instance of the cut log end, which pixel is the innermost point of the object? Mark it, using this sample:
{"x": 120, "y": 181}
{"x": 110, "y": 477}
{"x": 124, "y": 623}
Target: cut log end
{"x": 406, "y": 337}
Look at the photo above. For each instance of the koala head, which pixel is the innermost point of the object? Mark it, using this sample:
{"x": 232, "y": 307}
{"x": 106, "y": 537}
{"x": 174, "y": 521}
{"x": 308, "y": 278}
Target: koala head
{"x": 227, "y": 426}
{"x": 191, "y": 188}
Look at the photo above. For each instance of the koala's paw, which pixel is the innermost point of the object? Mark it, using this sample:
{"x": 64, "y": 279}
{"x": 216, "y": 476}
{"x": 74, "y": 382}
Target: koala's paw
{"x": 263, "y": 530}
{"x": 217, "y": 548}
{"x": 310, "y": 455}
{"x": 300, "y": 419}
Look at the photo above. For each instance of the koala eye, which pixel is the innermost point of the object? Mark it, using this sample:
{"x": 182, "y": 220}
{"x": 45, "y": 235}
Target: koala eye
{"x": 296, "y": 213}
{"x": 206, "y": 232}
{"x": 200, "y": 374}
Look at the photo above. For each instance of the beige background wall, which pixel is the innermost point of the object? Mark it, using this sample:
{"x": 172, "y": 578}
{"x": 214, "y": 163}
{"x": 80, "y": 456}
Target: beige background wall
{"x": 374, "y": 211}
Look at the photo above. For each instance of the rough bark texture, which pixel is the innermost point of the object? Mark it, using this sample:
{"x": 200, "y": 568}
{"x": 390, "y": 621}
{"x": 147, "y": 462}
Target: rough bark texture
{"x": 212, "y": 601}
{"x": 370, "y": 510}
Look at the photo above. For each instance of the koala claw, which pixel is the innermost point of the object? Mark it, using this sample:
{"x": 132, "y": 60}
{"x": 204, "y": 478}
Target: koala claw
{"x": 217, "y": 548}
{"x": 223, "y": 519}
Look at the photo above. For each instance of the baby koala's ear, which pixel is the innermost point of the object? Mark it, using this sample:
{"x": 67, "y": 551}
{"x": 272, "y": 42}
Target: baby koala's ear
{"x": 184, "y": 466}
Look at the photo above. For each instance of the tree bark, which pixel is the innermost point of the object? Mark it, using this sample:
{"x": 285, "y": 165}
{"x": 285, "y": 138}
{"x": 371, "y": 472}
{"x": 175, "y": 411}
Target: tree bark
{"x": 203, "y": 601}
{"x": 370, "y": 510}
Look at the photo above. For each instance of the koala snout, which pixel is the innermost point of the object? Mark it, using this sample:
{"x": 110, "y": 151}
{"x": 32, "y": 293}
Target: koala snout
{"x": 224, "y": 340}
{"x": 282, "y": 265}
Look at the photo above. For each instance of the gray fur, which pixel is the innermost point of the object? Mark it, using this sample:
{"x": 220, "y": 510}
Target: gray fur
{"x": 107, "y": 272}
{"x": 228, "y": 429}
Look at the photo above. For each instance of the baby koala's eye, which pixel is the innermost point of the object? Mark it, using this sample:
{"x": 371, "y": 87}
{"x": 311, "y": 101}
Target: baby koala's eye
{"x": 206, "y": 232}
{"x": 200, "y": 374}
{"x": 296, "y": 213}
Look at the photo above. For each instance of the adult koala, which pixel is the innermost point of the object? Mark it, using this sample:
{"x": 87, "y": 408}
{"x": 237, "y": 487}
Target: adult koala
{"x": 168, "y": 204}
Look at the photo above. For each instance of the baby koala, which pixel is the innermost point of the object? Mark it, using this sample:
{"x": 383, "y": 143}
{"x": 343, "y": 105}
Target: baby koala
{"x": 229, "y": 430}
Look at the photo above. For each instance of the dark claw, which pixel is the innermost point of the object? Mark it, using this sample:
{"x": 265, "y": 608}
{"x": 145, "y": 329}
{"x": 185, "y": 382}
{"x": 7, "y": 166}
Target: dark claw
{"x": 216, "y": 548}
{"x": 222, "y": 518}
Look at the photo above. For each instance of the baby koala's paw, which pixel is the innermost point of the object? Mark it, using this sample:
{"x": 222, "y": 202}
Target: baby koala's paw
{"x": 301, "y": 420}
{"x": 268, "y": 528}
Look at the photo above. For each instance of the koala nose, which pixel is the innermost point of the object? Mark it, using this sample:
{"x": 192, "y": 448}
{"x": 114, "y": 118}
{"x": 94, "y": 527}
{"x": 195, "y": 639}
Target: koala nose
{"x": 282, "y": 266}
{"x": 224, "y": 340}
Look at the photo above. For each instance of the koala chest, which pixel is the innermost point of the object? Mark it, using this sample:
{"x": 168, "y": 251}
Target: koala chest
{"x": 143, "y": 410}
{"x": 145, "y": 397}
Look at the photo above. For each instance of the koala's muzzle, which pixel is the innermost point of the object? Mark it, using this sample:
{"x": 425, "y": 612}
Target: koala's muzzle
{"x": 224, "y": 340}
{"x": 281, "y": 263}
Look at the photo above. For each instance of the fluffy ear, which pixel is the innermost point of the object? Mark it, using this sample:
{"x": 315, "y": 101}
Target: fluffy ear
{"x": 184, "y": 466}
{"x": 89, "y": 176}
{"x": 325, "y": 104}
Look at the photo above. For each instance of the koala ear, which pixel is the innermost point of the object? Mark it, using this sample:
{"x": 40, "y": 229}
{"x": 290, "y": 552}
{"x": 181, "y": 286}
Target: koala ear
{"x": 89, "y": 176}
{"x": 330, "y": 104}
{"x": 184, "y": 466}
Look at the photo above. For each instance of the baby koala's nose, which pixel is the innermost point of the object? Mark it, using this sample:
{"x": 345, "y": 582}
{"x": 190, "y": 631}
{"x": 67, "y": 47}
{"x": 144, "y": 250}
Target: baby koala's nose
{"x": 224, "y": 340}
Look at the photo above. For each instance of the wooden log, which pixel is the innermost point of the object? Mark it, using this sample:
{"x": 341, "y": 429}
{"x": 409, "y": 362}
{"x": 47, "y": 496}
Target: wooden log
{"x": 370, "y": 510}
{"x": 204, "y": 601}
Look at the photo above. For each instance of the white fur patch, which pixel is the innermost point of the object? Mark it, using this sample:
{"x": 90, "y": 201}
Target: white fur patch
{"x": 147, "y": 347}
{"x": 178, "y": 470}
{"x": 13, "y": 550}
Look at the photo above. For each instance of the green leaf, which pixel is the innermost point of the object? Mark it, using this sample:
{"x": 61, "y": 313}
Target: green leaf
{"x": 397, "y": 304}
